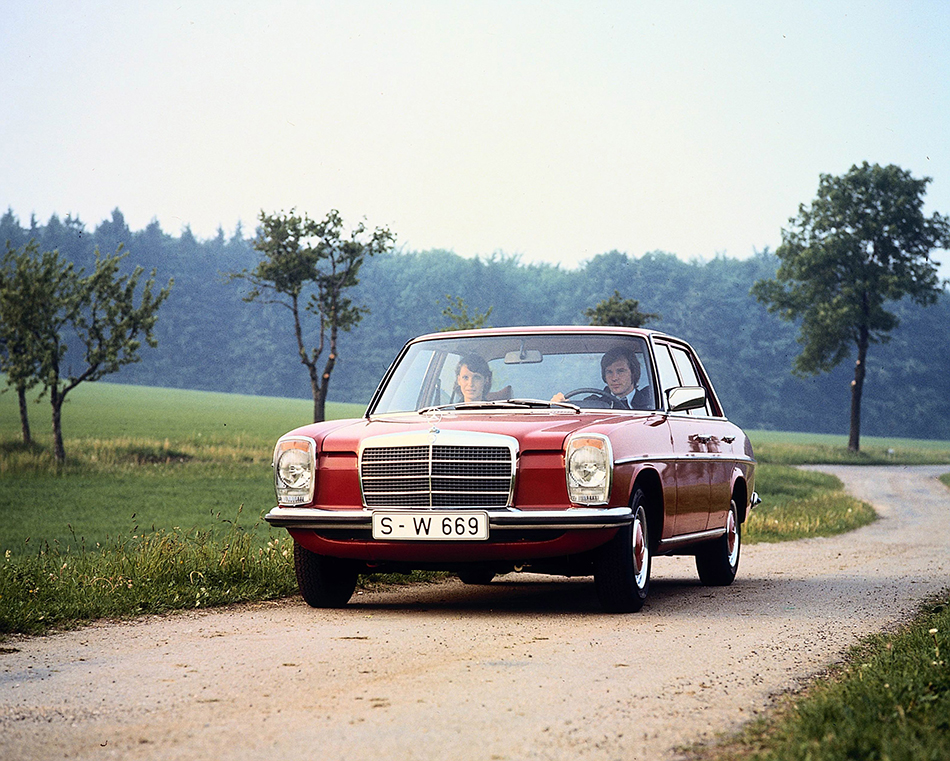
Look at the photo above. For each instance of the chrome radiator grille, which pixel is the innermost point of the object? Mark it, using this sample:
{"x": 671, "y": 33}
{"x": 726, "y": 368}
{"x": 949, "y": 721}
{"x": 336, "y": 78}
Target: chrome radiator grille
{"x": 437, "y": 475}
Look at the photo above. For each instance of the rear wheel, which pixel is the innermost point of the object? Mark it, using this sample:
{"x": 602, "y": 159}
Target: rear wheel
{"x": 324, "y": 582}
{"x": 622, "y": 566}
{"x": 718, "y": 561}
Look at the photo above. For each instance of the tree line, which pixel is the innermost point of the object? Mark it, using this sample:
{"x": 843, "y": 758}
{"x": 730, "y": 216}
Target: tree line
{"x": 208, "y": 337}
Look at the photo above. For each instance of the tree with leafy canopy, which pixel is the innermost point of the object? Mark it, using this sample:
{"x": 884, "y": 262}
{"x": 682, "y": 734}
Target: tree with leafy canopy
{"x": 308, "y": 266}
{"x": 619, "y": 312}
{"x": 457, "y": 311}
{"x": 27, "y": 280}
{"x": 863, "y": 242}
{"x": 99, "y": 310}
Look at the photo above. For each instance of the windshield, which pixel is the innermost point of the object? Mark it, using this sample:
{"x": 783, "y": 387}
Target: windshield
{"x": 519, "y": 370}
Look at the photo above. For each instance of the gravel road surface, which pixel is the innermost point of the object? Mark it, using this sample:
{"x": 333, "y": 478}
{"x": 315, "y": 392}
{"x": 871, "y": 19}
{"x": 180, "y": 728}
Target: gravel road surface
{"x": 527, "y": 668}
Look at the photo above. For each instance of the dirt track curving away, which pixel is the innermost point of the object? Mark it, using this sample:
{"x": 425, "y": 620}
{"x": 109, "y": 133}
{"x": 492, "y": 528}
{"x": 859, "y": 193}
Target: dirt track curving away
{"x": 527, "y": 668}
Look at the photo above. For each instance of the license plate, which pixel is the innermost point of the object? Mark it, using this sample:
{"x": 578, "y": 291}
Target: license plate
{"x": 433, "y": 526}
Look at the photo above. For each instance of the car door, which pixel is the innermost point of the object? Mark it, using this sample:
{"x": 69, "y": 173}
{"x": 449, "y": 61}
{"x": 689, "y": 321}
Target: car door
{"x": 690, "y": 466}
{"x": 714, "y": 434}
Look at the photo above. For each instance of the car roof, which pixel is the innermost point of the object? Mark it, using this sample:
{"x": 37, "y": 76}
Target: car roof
{"x": 543, "y": 329}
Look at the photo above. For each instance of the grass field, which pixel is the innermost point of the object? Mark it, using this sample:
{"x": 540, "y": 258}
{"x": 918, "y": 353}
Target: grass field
{"x": 787, "y": 448}
{"x": 114, "y": 411}
{"x": 142, "y": 459}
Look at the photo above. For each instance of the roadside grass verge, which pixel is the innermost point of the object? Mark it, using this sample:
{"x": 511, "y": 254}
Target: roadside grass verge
{"x": 786, "y": 448}
{"x": 889, "y": 700}
{"x": 797, "y": 504}
{"x": 152, "y": 572}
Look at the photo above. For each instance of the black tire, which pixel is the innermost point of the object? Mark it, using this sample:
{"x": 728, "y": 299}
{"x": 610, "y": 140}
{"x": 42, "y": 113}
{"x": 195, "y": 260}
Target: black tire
{"x": 622, "y": 566}
{"x": 476, "y": 576}
{"x": 718, "y": 561}
{"x": 324, "y": 582}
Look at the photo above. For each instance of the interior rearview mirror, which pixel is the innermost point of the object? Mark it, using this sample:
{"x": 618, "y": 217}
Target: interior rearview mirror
{"x": 523, "y": 357}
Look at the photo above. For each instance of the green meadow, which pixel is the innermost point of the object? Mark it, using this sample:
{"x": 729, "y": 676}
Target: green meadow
{"x": 140, "y": 459}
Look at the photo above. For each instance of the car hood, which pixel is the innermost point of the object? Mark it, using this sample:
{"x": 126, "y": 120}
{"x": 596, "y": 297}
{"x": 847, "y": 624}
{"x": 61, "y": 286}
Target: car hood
{"x": 535, "y": 431}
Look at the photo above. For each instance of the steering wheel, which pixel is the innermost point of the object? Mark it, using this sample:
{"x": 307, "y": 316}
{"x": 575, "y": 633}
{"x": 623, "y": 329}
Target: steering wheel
{"x": 600, "y": 393}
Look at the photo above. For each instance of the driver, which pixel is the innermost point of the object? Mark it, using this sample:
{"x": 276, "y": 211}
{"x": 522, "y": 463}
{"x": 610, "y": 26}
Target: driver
{"x": 620, "y": 370}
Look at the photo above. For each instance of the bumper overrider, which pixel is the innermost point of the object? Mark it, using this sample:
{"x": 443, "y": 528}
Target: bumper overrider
{"x": 508, "y": 519}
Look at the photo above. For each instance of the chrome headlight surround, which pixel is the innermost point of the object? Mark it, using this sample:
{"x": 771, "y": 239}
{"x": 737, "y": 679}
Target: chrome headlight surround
{"x": 295, "y": 470}
{"x": 589, "y": 466}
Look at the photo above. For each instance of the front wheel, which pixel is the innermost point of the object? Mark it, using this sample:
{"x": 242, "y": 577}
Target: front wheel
{"x": 718, "y": 561}
{"x": 622, "y": 566}
{"x": 324, "y": 582}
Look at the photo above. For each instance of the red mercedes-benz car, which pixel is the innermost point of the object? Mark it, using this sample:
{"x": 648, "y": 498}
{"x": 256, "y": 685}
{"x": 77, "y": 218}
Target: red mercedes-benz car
{"x": 561, "y": 450}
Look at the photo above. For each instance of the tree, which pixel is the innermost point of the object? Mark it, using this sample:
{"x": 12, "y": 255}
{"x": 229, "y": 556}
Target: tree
{"x": 619, "y": 312}
{"x": 303, "y": 257}
{"x": 457, "y": 312}
{"x": 100, "y": 310}
{"x": 29, "y": 288}
{"x": 863, "y": 242}
{"x": 97, "y": 310}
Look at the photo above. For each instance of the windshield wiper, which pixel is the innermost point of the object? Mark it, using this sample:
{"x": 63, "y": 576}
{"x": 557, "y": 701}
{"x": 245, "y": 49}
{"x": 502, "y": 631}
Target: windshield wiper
{"x": 540, "y": 403}
{"x": 517, "y": 403}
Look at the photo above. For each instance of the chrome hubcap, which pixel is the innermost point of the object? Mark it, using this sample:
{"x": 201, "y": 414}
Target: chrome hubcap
{"x": 641, "y": 552}
{"x": 732, "y": 535}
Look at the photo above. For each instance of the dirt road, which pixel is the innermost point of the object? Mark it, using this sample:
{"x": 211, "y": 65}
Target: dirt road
{"x": 525, "y": 669}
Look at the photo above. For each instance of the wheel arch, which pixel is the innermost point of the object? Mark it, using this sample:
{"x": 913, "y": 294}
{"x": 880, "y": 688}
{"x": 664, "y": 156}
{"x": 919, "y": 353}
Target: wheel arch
{"x": 740, "y": 493}
{"x": 648, "y": 481}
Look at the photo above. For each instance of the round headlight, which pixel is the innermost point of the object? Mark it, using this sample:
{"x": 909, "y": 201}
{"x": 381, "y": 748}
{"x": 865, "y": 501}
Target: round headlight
{"x": 588, "y": 468}
{"x": 293, "y": 468}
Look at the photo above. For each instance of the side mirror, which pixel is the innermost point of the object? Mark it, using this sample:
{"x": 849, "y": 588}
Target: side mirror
{"x": 683, "y": 398}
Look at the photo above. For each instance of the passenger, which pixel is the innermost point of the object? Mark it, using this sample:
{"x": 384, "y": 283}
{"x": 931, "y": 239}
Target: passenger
{"x": 473, "y": 378}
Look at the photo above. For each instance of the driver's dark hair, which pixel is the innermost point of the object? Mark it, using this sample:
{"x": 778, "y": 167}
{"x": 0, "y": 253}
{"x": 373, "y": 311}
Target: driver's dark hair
{"x": 621, "y": 352}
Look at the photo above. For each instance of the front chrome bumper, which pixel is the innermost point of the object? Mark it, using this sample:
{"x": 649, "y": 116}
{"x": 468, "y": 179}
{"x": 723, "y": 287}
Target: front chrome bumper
{"x": 498, "y": 520}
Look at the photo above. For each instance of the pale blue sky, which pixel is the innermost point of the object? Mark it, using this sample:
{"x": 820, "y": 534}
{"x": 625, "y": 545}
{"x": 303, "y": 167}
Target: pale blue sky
{"x": 555, "y": 130}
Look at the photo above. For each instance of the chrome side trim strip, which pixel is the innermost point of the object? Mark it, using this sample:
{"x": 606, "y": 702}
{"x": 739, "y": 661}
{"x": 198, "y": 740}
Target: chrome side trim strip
{"x": 675, "y": 541}
{"x": 698, "y": 457}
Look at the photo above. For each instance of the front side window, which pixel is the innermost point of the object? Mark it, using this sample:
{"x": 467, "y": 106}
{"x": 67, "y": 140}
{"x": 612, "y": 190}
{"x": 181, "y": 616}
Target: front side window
{"x": 476, "y": 370}
{"x": 689, "y": 376}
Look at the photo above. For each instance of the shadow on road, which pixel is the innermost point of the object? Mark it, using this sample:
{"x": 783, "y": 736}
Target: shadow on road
{"x": 518, "y": 594}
